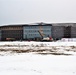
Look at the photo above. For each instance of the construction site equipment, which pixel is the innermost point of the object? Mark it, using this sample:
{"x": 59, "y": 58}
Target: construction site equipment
{"x": 43, "y": 36}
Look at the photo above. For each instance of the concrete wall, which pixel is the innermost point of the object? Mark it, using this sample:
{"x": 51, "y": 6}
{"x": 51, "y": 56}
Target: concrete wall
{"x": 57, "y": 32}
{"x": 73, "y": 32}
{"x": 0, "y": 34}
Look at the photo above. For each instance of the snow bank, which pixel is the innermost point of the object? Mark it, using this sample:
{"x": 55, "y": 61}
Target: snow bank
{"x": 17, "y": 43}
{"x": 55, "y": 48}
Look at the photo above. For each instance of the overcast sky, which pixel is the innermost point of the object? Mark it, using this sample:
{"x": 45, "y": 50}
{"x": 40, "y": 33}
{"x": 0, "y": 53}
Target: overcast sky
{"x": 32, "y": 11}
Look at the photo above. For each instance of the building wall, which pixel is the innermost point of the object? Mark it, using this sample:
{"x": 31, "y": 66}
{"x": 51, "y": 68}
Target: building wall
{"x": 32, "y": 31}
{"x": 73, "y": 32}
{"x": 67, "y": 32}
{"x": 15, "y": 27}
{"x": 15, "y": 32}
{"x": 0, "y": 35}
{"x": 57, "y": 32}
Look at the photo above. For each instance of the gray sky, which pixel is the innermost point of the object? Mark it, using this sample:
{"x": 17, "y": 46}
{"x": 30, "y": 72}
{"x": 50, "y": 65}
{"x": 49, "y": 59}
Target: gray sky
{"x": 31, "y": 11}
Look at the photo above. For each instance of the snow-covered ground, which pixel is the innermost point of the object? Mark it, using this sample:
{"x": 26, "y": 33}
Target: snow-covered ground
{"x": 58, "y": 43}
{"x": 43, "y": 58}
{"x": 59, "y": 48}
{"x": 34, "y": 64}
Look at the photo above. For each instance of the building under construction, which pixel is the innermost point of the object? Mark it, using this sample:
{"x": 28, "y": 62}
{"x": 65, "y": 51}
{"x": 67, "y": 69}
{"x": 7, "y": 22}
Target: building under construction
{"x": 37, "y": 31}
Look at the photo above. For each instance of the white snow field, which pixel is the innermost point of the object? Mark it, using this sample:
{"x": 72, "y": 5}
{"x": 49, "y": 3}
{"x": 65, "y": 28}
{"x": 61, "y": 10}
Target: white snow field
{"x": 36, "y": 63}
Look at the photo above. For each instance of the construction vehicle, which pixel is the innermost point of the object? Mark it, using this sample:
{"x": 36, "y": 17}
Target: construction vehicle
{"x": 43, "y": 36}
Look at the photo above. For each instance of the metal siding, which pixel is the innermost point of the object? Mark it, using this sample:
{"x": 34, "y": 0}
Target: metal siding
{"x": 73, "y": 32}
{"x": 67, "y": 32}
{"x": 0, "y": 34}
{"x": 57, "y": 32}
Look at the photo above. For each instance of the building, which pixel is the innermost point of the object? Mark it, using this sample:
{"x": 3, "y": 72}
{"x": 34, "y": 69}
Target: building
{"x": 57, "y": 32}
{"x": 73, "y": 31}
{"x": 11, "y": 32}
{"x": 31, "y": 31}
{"x": 63, "y": 30}
{"x": 0, "y": 35}
{"x": 38, "y": 31}
{"x": 25, "y": 31}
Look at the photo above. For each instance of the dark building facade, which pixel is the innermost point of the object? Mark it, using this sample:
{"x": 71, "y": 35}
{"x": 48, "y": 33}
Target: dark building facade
{"x": 73, "y": 31}
{"x": 63, "y": 30}
{"x": 67, "y": 31}
{"x": 0, "y": 35}
{"x": 57, "y": 32}
{"x": 13, "y": 32}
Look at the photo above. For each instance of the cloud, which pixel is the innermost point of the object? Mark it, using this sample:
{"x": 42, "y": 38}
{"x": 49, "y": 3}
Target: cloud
{"x": 26, "y": 11}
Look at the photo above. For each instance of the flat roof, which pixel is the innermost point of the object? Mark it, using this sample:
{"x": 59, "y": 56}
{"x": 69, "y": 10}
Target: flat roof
{"x": 32, "y": 24}
{"x": 43, "y": 24}
{"x": 63, "y": 24}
